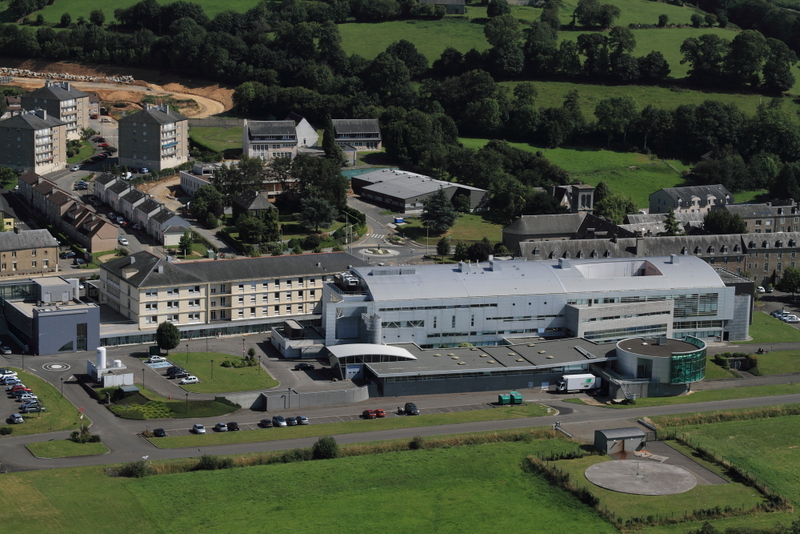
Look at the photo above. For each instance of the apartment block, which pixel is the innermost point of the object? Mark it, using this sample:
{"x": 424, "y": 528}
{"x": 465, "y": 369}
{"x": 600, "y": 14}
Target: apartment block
{"x": 33, "y": 141}
{"x": 63, "y": 102}
{"x": 361, "y": 134}
{"x": 150, "y": 290}
{"x": 156, "y": 138}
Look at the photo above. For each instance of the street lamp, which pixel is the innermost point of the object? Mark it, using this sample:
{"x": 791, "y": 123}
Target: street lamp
{"x": 259, "y": 364}
{"x": 187, "y": 404}
{"x": 212, "y": 369}
{"x": 289, "y": 397}
{"x": 187, "y": 354}
{"x": 62, "y": 387}
{"x": 242, "y": 347}
{"x": 142, "y": 378}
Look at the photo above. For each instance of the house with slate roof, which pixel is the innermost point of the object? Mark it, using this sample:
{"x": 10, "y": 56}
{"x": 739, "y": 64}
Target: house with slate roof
{"x": 253, "y": 203}
{"x": 361, "y": 134}
{"x": 145, "y": 210}
{"x": 156, "y": 137}
{"x": 101, "y": 184}
{"x": 694, "y": 198}
{"x": 129, "y": 201}
{"x": 62, "y": 102}
{"x": 159, "y": 223}
{"x": 35, "y": 141}
{"x": 767, "y": 218}
{"x": 559, "y": 227}
{"x": 277, "y": 139}
{"x": 27, "y": 252}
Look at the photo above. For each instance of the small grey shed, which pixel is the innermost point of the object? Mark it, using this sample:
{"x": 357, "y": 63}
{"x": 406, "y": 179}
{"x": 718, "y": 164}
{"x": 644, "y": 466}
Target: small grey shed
{"x": 617, "y": 440}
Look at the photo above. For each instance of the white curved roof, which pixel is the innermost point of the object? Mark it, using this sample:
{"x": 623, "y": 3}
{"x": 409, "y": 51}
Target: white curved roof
{"x": 361, "y": 349}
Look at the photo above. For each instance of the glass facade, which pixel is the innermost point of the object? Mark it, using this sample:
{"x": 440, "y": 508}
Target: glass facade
{"x": 688, "y": 367}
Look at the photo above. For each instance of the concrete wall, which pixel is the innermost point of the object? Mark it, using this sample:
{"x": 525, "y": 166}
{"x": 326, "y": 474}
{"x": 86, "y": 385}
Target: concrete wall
{"x": 275, "y": 401}
{"x": 462, "y": 385}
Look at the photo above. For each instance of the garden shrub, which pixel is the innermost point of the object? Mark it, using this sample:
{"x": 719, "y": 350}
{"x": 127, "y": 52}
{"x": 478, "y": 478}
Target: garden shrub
{"x": 325, "y": 448}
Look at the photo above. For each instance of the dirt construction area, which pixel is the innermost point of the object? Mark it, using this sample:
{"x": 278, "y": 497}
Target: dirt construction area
{"x": 209, "y": 98}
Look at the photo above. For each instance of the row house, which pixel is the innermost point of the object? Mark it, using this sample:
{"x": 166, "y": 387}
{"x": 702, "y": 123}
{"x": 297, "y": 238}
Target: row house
{"x": 129, "y": 201}
{"x": 265, "y": 291}
{"x": 28, "y": 252}
{"x": 767, "y": 218}
{"x": 145, "y": 210}
{"x": 33, "y": 140}
{"x": 114, "y": 192}
{"x": 63, "y": 102}
{"x": 84, "y": 226}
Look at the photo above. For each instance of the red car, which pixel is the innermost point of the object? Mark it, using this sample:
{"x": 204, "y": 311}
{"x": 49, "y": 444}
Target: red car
{"x": 380, "y": 413}
{"x": 19, "y": 388}
{"x": 103, "y": 144}
{"x": 369, "y": 414}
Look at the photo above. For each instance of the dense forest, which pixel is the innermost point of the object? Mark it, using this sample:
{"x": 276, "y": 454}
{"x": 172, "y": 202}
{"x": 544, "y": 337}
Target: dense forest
{"x": 287, "y": 56}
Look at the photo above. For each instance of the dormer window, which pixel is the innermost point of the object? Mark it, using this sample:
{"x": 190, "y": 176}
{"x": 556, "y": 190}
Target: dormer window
{"x": 711, "y": 250}
{"x": 684, "y": 251}
{"x": 778, "y": 244}
{"x": 698, "y": 250}
{"x": 566, "y": 255}
{"x": 607, "y": 254}
{"x": 736, "y": 248}
{"x": 791, "y": 243}
{"x": 536, "y": 252}
{"x": 724, "y": 249}
{"x": 580, "y": 254}
{"x": 764, "y": 244}
{"x": 593, "y": 254}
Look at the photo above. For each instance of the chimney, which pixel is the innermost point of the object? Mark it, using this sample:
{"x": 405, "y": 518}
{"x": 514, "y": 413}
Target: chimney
{"x": 41, "y": 113}
{"x": 640, "y": 246}
{"x": 160, "y": 269}
{"x": 563, "y": 263}
{"x": 133, "y": 260}
{"x": 16, "y": 229}
{"x": 674, "y": 259}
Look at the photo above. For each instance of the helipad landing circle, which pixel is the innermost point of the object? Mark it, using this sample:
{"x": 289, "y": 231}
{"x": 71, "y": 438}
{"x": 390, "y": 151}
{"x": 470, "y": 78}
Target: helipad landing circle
{"x": 641, "y": 477}
{"x": 56, "y": 366}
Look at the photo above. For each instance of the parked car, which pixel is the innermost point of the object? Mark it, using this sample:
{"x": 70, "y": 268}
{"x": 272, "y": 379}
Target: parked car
{"x": 31, "y": 404}
{"x": 233, "y": 426}
{"x": 191, "y": 379}
{"x": 137, "y": 226}
{"x": 30, "y": 408}
{"x": 265, "y": 423}
{"x": 15, "y": 419}
{"x": 368, "y": 414}
{"x": 790, "y": 319}
{"x": 220, "y": 427}
{"x": 144, "y": 170}
{"x": 198, "y": 429}
{"x": 278, "y": 420}
{"x": 76, "y": 168}
{"x": 103, "y": 144}
{"x": 770, "y": 289}
{"x": 411, "y": 409}
{"x": 761, "y": 289}
{"x": 11, "y": 382}
{"x": 123, "y": 241}
{"x": 291, "y": 421}
{"x": 303, "y": 367}
{"x": 302, "y": 420}
{"x": 27, "y": 397}
{"x": 5, "y": 350}
{"x": 177, "y": 372}
{"x": 67, "y": 255}
{"x": 20, "y": 387}
{"x": 380, "y": 413}
{"x": 7, "y": 372}
{"x": 159, "y": 433}
{"x": 155, "y": 359}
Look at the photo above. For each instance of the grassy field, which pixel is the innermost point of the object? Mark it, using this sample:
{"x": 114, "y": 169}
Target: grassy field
{"x": 767, "y": 329}
{"x": 63, "y": 448}
{"x": 76, "y": 8}
{"x": 60, "y": 414}
{"x": 225, "y": 379}
{"x": 349, "y": 427}
{"x": 779, "y": 362}
{"x": 225, "y": 140}
{"x": 461, "y": 489}
{"x": 740, "y": 392}
{"x": 627, "y": 506}
{"x": 767, "y": 448}
{"x": 469, "y": 228}
{"x": 86, "y": 151}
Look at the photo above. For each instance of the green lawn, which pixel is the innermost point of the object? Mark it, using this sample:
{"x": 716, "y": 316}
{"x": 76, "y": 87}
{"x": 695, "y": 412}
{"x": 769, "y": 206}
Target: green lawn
{"x": 469, "y": 228}
{"x": 60, "y": 414}
{"x": 717, "y": 395}
{"x": 767, "y": 329}
{"x": 62, "y": 448}
{"x": 149, "y": 405}
{"x": 86, "y": 151}
{"x": 224, "y": 379}
{"x": 714, "y": 371}
{"x": 460, "y": 489}
{"x": 779, "y": 362}
{"x": 349, "y": 427}
{"x": 627, "y": 506}
{"x": 225, "y": 140}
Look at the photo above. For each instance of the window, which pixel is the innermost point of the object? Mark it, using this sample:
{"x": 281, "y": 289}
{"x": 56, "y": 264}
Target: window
{"x": 222, "y": 287}
{"x": 33, "y": 264}
{"x": 277, "y": 310}
{"x": 172, "y": 318}
{"x": 45, "y": 263}
{"x": 472, "y": 320}
{"x": 263, "y": 311}
{"x": 265, "y": 286}
{"x": 241, "y": 287}
{"x": 241, "y": 313}
{"x": 252, "y": 312}
{"x": 300, "y": 281}
{"x": 194, "y": 317}
{"x": 173, "y": 291}
{"x": 252, "y": 299}
{"x": 172, "y": 304}
{"x": 289, "y": 309}
{"x": 264, "y": 298}
{"x": 289, "y": 283}
{"x": 288, "y": 296}
{"x": 151, "y": 293}
{"x": 151, "y": 319}
{"x": 277, "y": 284}
{"x": 241, "y": 299}
{"x": 151, "y": 306}
{"x": 277, "y": 297}
{"x": 252, "y": 286}
{"x": 13, "y": 266}
{"x": 14, "y": 254}
{"x": 213, "y": 316}
{"x": 195, "y": 289}
{"x": 300, "y": 294}
{"x": 434, "y": 322}
{"x": 194, "y": 303}
{"x": 312, "y": 281}
{"x": 33, "y": 253}
{"x": 313, "y": 294}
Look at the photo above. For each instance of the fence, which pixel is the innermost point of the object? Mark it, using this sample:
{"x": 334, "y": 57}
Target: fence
{"x": 216, "y": 122}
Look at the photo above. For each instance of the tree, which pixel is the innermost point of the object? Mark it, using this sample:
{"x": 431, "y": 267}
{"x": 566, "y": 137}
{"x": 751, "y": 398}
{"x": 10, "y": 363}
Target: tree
{"x": 97, "y": 17}
{"x": 316, "y": 212}
{"x": 607, "y": 15}
{"x": 724, "y": 222}
{"x": 87, "y": 133}
{"x": 443, "y": 247}
{"x": 616, "y": 115}
{"x": 787, "y": 183}
{"x": 601, "y": 191}
{"x": 621, "y": 40}
{"x": 167, "y": 336}
{"x": 671, "y": 225}
{"x": 653, "y": 66}
{"x": 705, "y": 55}
{"x": 461, "y": 251}
{"x": 746, "y": 55}
{"x": 586, "y": 12}
{"x": 710, "y": 20}
{"x": 497, "y": 8}
{"x": 250, "y": 228}
{"x": 777, "y": 71}
{"x": 332, "y": 151}
{"x": 272, "y": 228}
{"x": 406, "y": 51}
{"x": 480, "y": 251}
{"x": 186, "y": 242}
{"x": 614, "y": 207}
{"x": 326, "y": 448}
{"x": 66, "y": 20}
{"x": 663, "y": 20}
{"x": 438, "y": 213}
{"x": 697, "y": 20}
{"x": 790, "y": 280}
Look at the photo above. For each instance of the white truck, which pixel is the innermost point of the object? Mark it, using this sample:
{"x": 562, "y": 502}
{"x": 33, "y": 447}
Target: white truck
{"x": 583, "y": 382}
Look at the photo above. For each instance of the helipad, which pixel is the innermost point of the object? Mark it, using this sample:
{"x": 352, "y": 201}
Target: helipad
{"x": 641, "y": 477}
